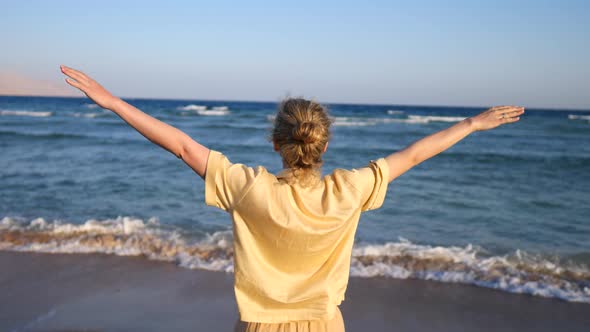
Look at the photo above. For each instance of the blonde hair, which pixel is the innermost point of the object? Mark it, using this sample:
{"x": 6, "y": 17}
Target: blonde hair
{"x": 301, "y": 131}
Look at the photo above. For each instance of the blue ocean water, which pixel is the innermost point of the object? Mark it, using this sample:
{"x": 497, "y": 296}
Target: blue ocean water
{"x": 515, "y": 199}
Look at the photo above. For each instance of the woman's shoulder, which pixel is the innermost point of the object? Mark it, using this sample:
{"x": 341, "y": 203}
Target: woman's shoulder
{"x": 346, "y": 174}
{"x": 362, "y": 178}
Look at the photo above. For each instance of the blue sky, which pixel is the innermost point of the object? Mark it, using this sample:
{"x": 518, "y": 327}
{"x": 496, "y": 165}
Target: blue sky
{"x": 532, "y": 53}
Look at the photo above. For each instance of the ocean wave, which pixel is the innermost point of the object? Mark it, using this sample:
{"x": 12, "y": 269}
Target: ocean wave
{"x": 579, "y": 117}
{"x": 192, "y": 107}
{"x": 25, "y": 113}
{"x": 519, "y": 272}
{"x": 345, "y": 121}
{"x": 92, "y": 115}
{"x": 91, "y": 106}
{"x": 351, "y": 121}
{"x": 103, "y": 140}
{"x": 394, "y": 112}
{"x": 214, "y": 111}
{"x": 203, "y": 110}
{"x": 434, "y": 118}
{"x": 41, "y": 135}
{"x": 123, "y": 236}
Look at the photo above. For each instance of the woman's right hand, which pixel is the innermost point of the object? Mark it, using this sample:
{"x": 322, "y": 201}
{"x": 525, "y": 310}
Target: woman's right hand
{"x": 90, "y": 87}
{"x": 496, "y": 116}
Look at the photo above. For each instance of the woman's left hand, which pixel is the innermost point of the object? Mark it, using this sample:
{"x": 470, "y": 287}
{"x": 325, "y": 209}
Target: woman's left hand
{"x": 496, "y": 116}
{"x": 90, "y": 87}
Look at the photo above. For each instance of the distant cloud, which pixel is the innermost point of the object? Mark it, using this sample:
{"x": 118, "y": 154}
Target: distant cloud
{"x": 13, "y": 84}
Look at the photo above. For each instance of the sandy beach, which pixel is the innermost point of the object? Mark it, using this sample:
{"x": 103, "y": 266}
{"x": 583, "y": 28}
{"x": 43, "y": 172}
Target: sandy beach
{"x": 95, "y": 292}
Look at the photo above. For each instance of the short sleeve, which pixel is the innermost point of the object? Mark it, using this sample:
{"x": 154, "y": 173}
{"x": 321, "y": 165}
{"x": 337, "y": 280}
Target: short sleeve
{"x": 372, "y": 182}
{"x": 226, "y": 183}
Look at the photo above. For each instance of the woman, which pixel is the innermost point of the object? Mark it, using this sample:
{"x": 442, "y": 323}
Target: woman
{"x": 293, "y": 232}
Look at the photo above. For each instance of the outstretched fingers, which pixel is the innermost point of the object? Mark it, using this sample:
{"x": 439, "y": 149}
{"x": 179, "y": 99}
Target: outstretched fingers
{"x": 511, "y": 112}
{"x": 514, "y": 113}
{"x": 75, "y": 74}
{"x": 497, "y": 115}
{"x": 497, "y": 109}
{"x": 504, "y": 109}
{"x": 511, "y": 116}
{"x": 510, "y": 119}
{"x": 74, "y": 83}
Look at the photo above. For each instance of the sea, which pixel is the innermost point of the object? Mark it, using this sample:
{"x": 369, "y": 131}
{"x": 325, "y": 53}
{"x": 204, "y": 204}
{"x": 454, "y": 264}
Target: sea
{"x": 507, "y": 209}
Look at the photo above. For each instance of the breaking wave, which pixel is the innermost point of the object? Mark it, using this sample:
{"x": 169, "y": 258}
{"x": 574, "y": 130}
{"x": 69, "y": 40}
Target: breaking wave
{"x": 104, "y": 113}
{"x": 202, "y": 110}
{"x": 352, "y": 121}
{"x": 434, "y": 118}
{"x": 41, "y": 135}
{"x": 25, "y": 113}
{"x": 394, "y": 112}
{"x": 192, "y": 107}
{"x": 579, "y": 117}
{"x": 48, "y": 114}
{"x": 519, "y": 272}
{"x": 123, "y": 236}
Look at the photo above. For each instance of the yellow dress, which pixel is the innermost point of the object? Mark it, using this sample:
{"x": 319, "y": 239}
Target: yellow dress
{"x": 292, "y": 244}
{"x": 336, "y": 324}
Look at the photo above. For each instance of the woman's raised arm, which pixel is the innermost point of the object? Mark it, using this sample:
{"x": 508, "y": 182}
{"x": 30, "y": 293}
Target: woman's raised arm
{"x": 168, "y": 137}
{"x": 401, "y": 161}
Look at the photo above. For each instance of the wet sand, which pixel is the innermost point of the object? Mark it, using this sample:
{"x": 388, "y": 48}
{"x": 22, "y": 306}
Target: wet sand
{"x": 95, "y": 292}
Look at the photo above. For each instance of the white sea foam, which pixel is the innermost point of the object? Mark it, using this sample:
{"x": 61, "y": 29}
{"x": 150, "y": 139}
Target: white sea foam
{"x": 92, "y": 114}
{"x": 214, "y": 112}
{"x": 342, "y": 121}
{"x": 394, "y": 112}
{"x": 435, "y": 118}
{"x": 86, "y": 115}
{"x": 412, "y": 119}
{"x": 25, "y": 113}
{"x": 192, "y": 107}
{"x": 518, "y": 272}
{"x": 202, "y": 110}
{"x": 123, "y": 236}
{"x": 579, "y": 117}
{"x": 91, "y": 106}
{"x": 351, "y": 121}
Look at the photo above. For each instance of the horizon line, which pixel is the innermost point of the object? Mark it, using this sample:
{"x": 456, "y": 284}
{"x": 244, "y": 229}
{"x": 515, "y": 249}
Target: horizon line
{"x": 275, "y": 102}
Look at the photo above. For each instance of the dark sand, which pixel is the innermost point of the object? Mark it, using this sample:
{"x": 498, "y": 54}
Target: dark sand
{"x": 57, "y": 292}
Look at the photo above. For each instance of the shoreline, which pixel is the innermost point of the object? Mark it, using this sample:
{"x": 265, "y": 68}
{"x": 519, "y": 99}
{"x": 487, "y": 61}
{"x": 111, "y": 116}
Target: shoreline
{"x": 101, "y": 292}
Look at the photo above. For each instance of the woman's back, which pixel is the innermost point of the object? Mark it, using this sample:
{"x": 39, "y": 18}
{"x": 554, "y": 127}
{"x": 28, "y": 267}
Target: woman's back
{"x": 292, "y": 243}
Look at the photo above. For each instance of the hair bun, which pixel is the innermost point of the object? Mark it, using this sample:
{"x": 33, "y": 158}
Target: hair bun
{"x": 306, "y": 132}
